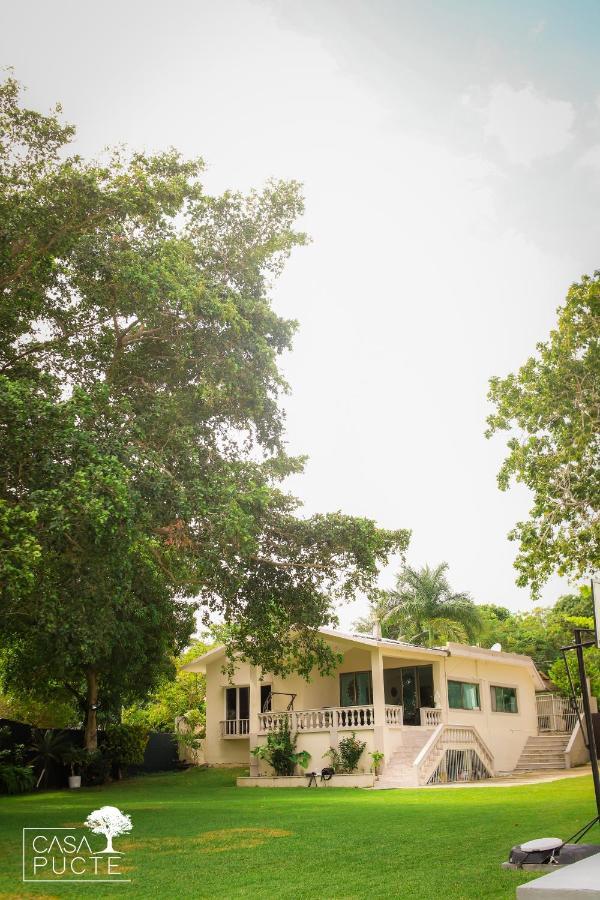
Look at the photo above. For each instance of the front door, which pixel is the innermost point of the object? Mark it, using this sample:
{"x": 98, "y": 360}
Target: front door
{"x": 410, "y": 687}
{"x": 410, "y": 700}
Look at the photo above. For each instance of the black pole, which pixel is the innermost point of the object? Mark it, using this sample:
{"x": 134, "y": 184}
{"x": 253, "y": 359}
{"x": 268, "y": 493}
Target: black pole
{"x": 574, "y": 698}
{"x": 588, "y": 716}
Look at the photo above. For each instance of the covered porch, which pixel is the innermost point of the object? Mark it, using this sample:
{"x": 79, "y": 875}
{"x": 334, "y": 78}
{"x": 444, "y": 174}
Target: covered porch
{"x": 378, "y": 691}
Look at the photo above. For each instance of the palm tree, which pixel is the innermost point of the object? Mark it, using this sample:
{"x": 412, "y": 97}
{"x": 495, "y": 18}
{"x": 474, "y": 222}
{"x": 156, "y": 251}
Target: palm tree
{"x": 424, "y": 610}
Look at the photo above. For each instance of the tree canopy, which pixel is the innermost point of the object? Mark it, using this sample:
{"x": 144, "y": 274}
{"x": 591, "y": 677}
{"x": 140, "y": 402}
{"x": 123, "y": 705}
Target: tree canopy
{"x": 541, "y": 632}
{"x": 423, "y": 609}
{"x": 142, "y": 448}
{"x": 552, "y": 408}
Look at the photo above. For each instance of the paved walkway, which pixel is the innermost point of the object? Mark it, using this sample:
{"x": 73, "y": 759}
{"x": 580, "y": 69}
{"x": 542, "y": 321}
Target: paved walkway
{"x": 505, "y": 780}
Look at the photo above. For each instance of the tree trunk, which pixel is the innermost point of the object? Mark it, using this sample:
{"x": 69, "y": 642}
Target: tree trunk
{"x": 90, "y": 735}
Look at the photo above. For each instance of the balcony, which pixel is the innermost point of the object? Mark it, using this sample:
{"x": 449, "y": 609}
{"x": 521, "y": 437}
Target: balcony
{"x": 235, "y": 728}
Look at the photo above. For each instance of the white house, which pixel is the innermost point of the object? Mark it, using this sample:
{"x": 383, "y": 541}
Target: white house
{"x": 445, "y": 714}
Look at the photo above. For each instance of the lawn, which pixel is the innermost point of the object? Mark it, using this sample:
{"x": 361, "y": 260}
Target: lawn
{"x": 196, "y": 835}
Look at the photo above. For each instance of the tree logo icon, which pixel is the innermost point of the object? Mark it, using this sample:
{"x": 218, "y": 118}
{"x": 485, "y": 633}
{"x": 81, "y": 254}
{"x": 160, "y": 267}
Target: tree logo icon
{"x": 109, "y": 821}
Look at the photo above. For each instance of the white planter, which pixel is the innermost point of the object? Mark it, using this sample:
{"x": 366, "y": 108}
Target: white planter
{"x": 74, "y": 781}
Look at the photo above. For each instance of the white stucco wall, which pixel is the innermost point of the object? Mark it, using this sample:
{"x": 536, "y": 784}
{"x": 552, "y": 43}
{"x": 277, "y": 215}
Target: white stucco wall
{"x": 504, "y": 733}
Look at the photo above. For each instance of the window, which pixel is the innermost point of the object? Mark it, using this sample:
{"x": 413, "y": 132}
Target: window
{"x": 265, "y": 698}
{"x": 463, "y": 695}
{"x": 237, "y": 703}
{"x": 356, "y": 689}
{"x": 504, "y": 699}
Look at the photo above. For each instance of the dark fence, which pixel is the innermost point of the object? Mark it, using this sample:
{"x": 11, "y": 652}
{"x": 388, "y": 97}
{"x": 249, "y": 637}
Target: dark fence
{"x": 161, "y": 752}
{"x": 160, "y": 755}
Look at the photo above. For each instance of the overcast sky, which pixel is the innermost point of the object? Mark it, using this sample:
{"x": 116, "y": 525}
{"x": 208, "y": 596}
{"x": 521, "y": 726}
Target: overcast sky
{"x": 450, "y": 153}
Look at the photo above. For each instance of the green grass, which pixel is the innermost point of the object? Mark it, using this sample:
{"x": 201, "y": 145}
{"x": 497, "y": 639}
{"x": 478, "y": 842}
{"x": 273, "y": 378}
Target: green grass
{"x": 337, "y": 843}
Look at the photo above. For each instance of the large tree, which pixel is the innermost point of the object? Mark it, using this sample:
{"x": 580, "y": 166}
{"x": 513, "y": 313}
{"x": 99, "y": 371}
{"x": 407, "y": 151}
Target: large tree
{"x": 423, "y": 609}
{"x": 141, "y": 430}
{"x": 552, "y": 407}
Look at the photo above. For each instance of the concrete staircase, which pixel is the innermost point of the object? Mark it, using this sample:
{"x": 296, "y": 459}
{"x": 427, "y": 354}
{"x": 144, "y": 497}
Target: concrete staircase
{"x": 544, "y": 751}
{"x": 399, "y": 771}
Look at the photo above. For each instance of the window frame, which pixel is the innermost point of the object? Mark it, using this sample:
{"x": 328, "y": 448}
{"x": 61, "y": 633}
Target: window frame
{"x": 236, "y": 688}
{"x": 370, "y": 686}
{"x": 503, "y": 687}
{"x": 469, "y": 709}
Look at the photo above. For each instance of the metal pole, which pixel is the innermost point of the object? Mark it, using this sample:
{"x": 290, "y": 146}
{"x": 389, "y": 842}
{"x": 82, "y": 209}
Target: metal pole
{"x": 588, "y": 716}
{"x": 574, "y": 698}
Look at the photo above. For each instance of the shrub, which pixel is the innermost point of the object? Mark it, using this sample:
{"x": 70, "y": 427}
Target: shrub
{"x": 345, "y": 759}
{"x": 124, "y": 745}
{"x": 280, "y": 751}
{"x": 10, "y": 752}
{"x": 16, "y": 779}
{"x": 95, "y": 768}
{"x": 76, "y": 758}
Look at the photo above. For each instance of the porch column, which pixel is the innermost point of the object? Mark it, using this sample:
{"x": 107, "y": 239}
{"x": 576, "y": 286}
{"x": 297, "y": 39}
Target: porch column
{"x": 254, "y": 709}
{"x": 440, "y": 689}
{"x": 380, "y": 729}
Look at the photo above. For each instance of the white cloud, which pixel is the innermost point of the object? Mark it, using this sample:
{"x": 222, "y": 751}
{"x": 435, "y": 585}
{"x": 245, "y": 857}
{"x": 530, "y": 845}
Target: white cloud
{"x": 538, "y": 28}
{"x": 528, "y": 125}
{"x": 591, "y": 158}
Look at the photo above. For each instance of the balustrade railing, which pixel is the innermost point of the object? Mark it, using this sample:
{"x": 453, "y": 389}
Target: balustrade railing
{"x": 314, "y": 719}
{"x": 430, "y": 716}
{"x": 235, "y": 728}
{"x": 454, "y": 753}
{"x": 355, "y": 716}
{"x": 340, "y": 717}
{"x": 393, "y": 716}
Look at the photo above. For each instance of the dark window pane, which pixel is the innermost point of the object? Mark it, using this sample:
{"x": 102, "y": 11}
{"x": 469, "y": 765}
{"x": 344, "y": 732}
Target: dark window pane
{"x": 230, "y": 703}
{"x": 504, "y": 699}
{"x": 356, "y": 689}
{"x": 265, "y": 697}
{"x": 363, "y": 688}
{"x": 347, "y": 689}
{"x": 463, "y": 695}
{"x": 425, "y": 678}
{"x": 244, "y": 703}
{"x": 455, "y": 695}
{"x": 392, "y": 681}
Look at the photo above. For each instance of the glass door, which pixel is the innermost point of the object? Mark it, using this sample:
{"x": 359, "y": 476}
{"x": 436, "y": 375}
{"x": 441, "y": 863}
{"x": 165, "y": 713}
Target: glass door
{"x": 410, "y": 700}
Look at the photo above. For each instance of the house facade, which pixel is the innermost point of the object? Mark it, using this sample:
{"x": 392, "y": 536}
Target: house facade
{"x": 445, "y": 714}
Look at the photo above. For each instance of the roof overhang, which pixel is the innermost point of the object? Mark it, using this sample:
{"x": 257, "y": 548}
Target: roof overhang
{"x": 396, "y": 649}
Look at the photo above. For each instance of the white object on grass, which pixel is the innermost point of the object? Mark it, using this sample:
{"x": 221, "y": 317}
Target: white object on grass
{"x": 542, "y": 844}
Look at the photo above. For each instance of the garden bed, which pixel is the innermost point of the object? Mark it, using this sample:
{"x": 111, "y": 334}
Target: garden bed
{"x": 365, "y": 780}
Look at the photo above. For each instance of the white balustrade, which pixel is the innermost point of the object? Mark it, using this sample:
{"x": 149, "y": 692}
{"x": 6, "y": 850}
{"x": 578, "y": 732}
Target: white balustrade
{"x": 394, "y": 716}
{"x": 314, "y": 719}
{"x": 355, "y": 716}
{"x": 430, "y": 716}
{"x": 453, "y": 744}
{"x": 231, "y": 728}
{"x": 273, "y": 721}
{"x": 340, "y": 717}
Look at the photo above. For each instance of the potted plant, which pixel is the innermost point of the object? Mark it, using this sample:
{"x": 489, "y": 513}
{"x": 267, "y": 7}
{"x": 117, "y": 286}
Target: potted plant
{"x": 377, "y": 758}
{"x": 75, "y": 758}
